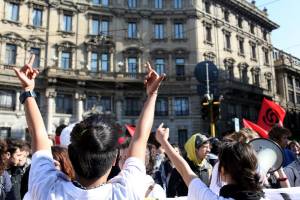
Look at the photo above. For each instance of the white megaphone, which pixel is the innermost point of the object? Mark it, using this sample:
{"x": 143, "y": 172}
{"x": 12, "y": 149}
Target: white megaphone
{"x": 269, "y": 155}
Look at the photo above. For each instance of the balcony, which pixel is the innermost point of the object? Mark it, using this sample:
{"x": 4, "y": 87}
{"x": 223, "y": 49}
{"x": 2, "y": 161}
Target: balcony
{"x": 240, "y": 86}
{"x": 84, "y": 74}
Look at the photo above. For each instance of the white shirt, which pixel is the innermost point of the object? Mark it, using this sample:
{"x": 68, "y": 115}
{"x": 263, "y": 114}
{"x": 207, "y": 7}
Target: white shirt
{"x": 157, "y": 192}
{"x": 46, "y": 183}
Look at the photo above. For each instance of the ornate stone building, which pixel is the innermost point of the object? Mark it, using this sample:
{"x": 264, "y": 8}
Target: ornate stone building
{"x": 287, "y": 70}
{"x": 91, "y": 54}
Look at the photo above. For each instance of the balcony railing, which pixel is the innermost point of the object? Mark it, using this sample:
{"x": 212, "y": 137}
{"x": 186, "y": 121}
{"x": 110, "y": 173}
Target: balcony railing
{"x": 84, "y": 74}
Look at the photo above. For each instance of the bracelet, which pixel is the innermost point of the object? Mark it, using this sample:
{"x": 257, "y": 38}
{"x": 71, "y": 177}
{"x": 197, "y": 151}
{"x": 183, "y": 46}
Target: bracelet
{"x": 282, "y": 179}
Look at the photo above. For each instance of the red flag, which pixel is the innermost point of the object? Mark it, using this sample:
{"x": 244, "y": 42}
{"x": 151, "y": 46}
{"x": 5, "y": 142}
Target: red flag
{"x": 270, "y": 114}
{"x": 263, "y": 133}
{"x": 130, "y": 129}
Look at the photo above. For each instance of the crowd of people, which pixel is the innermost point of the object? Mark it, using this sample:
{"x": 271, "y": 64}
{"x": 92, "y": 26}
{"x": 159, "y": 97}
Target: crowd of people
{"x": 94, "y": 159}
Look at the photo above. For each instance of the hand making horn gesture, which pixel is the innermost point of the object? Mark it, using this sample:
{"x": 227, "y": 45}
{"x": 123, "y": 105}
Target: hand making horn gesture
{"x": 27, "y": 74}
{"x": 152, "y": 80}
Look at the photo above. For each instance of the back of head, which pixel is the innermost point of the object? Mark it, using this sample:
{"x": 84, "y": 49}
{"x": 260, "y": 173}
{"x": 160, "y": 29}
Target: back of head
{"x": 93, "y": 147}
{"x": 240, "y": 162}
{"x": 59, "y": 129}
{"x": 277, "y": 132}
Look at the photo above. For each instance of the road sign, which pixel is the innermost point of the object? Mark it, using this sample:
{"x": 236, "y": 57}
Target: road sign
{"x": 201, "y": 71}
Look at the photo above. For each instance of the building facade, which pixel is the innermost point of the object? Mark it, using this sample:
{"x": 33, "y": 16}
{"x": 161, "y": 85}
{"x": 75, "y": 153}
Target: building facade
{"x": 287, "y": 69}
{"x": 91, "y": 54}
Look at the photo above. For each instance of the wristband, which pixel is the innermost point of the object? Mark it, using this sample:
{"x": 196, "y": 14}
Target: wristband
{"x": 282, "y": 179}
{"x": 25, "y": 95}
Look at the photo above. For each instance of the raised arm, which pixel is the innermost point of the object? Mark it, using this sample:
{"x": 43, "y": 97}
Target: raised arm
{"x": 34, "y": 118}
{"x": 162, "y": 135}
{"x": 138, "y": 143}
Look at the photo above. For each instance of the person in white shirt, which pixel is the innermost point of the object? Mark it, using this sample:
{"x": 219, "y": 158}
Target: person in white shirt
{"x": 237, "y": 167}
{"x": 92, "y": 151}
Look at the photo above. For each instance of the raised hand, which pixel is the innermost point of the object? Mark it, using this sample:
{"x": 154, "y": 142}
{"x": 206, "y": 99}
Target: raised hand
{"x": 152, "y": 80}
{"x": 162, "y": 134}
{"x": 27, "y": 74}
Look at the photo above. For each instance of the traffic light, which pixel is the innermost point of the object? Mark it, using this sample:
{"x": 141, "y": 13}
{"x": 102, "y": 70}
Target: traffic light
{"x": 216, "y": 111}
{"x": 205, "y": 108}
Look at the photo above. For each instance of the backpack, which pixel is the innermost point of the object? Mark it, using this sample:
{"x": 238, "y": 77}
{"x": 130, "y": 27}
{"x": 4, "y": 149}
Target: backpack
{"x": 2, "y": 188}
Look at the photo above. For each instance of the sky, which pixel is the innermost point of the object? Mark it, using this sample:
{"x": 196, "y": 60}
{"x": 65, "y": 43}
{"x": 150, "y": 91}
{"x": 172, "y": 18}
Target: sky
{"x": 286, "y": 13}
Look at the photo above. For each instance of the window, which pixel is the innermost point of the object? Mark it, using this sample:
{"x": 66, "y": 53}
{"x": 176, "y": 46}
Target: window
{"x": 207, "y": 6}
{"x": 269, "y": 84}
{"x": 290, "y": 81}
{"x": 64, "y": 104}
{"x": 208, "y": 37}
{"x": 231, "y": 109}
{"x": 181, "y": 106}
{"x": 37, "y": 53}
{"x": 241, "y": 47}
{"x": 297, "y": 81}
{"x": 100, "y": 27}
{"x": 161, "y": 107}
{"x": 245, "y": 75}
{"x": 265, "y": 35}
{"x": 12, "y": 11}
{"x": 182, "y": 137}
{"x": 37, "y": 17}
{"x": 91, "y": 102}
{"x": 245, "y": 111}
{"x": 227, "y": 41}
{"x": 105, "y": 102}
{"x": 298, "y": 98}
{"x": 132, "y": 65}
{"x": 252, "y": 28}
{"x": 180, "y": 72}
{"x": 5, "y": 132}
{"x": 132, "y": 30}
{"x": 67, "y": 23}
{"x": 240, "y": 22}
{"x": 10, "y": 54}
{"x": 101, "y": 2}
{"x": 99, "y": 62}
{"x": 291, "y": 97}
{"x": 160, "y": 65}
{"x": 256, "y": 78}
{"x": 266, "y": 57}
{"x": 253, "y": 51}
{"x": 178, "y": 30}
{"x": 132, "y": 106}
{"x": 159, "y": 31}
{"x": 226, "y": 15}
{"x": 7, "y": 100}
{"x": 66, "y": 60}
{"x": 131, "y": 3}
{"x": 231, "y": 72}
{"x": 177, "y": 4}
{"x": 158, "y": 4}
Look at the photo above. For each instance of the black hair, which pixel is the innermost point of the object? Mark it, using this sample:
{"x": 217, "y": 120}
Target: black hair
{"x": 59, "y": 129}
{"x": 93, "y": 148}
{"x": 240, "y": 162}
{"x": 14, "y": 145}
{"x": 277, "y": 132}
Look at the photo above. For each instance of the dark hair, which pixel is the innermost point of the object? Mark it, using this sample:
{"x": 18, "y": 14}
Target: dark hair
{"x": 13, "y": 145}
{"x": 3, "y": 160}
{"x": 61, "y": 155}
{"x": 93, "y": 147}
{"x": 59, "y": 129}
{"x": 240, "y": 162}
{"x": 277, "y": 132}
{"x": 152, "y": 140}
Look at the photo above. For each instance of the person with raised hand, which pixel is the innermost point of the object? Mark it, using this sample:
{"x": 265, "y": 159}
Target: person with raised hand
{"x": 92, "y": 151}
{"x": 238, "y": 164}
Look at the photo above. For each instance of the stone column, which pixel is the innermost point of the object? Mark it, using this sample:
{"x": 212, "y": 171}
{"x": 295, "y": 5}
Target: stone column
{"x": 18, "y": 104}
{"x": 119, "y": 106}
{"x": 79, "y": 105}
{"x": 50, "y": 95}
{"x": 294, "y": 89}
